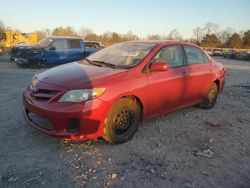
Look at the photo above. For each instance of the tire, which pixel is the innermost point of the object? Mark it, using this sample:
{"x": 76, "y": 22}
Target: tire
{"x": 211, "y": 97}
{"x": 122, "y": 121}
{"x": 35, "y": 64}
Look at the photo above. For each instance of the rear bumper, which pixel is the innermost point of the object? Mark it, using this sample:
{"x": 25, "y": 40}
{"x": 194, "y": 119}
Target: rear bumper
{"x": 91, "y": 115}
{"x": 222, "y": 84}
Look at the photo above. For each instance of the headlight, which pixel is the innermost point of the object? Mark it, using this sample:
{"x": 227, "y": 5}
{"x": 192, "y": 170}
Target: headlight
{"x": 81, "y": 95}
{"x": 34, "y": 80}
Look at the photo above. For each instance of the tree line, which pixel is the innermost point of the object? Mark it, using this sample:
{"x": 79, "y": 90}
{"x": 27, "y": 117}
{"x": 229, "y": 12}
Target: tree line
{"x": 209, "y": 35}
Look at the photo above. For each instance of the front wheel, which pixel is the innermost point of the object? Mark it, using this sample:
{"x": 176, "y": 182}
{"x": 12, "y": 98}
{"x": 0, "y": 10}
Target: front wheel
{"x": 211, "y": 97}
{"x": 122, "y": 121}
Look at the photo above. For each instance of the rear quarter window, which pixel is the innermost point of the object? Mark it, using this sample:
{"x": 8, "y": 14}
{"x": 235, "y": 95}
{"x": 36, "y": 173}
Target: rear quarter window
{"x": 92, "y": 45}
{"x": 206, "y": 60}
{"x": 194, "y": 55}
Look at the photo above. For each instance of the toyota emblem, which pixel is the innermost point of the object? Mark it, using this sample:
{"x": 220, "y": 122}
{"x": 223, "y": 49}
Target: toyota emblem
{"x": 33, "y": 89}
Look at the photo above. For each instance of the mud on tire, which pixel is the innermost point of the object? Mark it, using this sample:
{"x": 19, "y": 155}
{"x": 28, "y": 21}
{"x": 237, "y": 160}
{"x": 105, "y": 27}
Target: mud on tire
{"x": 211, "y": 97}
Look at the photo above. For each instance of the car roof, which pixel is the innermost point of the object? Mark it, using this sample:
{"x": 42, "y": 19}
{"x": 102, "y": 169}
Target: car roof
{"x": 164, "y": 42}
{"x": 71, "y": 37}
{"x": 92, "y": 41}
{"x": 63, "y": 37}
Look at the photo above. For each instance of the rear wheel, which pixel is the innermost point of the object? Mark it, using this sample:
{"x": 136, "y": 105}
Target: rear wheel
{"x": 211, "y": 97}
{"x": 122, "y": 121}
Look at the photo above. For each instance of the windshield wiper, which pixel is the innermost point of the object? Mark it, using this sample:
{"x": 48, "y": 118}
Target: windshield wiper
{"x": 91, "y": 62}
{"x": 88, "y": 60}
{"x": 105, "y": 63}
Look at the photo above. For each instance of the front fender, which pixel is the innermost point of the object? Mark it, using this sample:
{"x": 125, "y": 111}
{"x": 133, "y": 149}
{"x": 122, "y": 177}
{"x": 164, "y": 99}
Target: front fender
{"x": 36, "y": 55}
{"x": 124, "y": 88}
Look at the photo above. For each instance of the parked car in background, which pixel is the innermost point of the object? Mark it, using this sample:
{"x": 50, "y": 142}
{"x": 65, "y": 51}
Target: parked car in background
{"x": 229, "y": 54}
{"x": 109, "y": 93}
{"x": 209, "y": 52}
{"x": 217, "y": 53}
{"x": 52, "y": 51}
{"x": 244, "y": 55}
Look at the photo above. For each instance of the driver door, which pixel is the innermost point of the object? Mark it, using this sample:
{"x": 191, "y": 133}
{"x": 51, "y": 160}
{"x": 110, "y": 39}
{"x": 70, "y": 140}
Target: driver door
{"x": 58, "y": 51}
{"x": 166, "y": 89}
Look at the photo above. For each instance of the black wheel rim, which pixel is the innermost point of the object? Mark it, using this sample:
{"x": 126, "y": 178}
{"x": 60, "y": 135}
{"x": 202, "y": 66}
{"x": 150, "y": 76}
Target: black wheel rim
{"x": 123, "y": 121}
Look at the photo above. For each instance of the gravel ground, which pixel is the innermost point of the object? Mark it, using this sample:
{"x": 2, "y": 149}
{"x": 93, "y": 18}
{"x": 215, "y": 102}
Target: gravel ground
{"x": 188, "y": 148}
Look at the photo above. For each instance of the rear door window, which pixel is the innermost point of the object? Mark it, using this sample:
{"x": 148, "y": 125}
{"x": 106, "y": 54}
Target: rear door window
{"x": 60, "y": 44}
{"x": 194, "y": 55}
{"x": 74, "y": 43}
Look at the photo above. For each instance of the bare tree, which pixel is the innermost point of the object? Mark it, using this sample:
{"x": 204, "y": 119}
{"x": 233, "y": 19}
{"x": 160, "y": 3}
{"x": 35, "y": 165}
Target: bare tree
{"x": 154, "y": 37}
{"x": 225, "y": 34}
{"x": 84, "y": 31}
{"x": 108, "y": 34}
{"x": 47, "y": 31}
{"x": 198, "y": 34}
{"x": 241, "y": 33}
{"x": 106, "y": 38}
{"x": 174, "y": 35}
{"x": 131, "y": 36}
{"x": 2, "y": 26}
{"x": 61, "y": 31}
{"x": 235, "y": 41}
{"x": 43, "y": 33}
{"x": 211, "y": 27}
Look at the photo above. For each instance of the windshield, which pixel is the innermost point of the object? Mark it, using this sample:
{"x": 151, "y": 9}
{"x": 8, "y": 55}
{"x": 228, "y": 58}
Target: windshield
{"x": 45, "y": 42}
{"x": 127, "y": 54}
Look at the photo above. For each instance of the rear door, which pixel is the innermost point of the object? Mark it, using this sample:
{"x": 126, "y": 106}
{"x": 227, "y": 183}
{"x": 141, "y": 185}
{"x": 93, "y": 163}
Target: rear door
{"x": 57, "y": 52}
{"x": 200, "y": 75}
{"x": 166, "y": 90}
{"x": 76, "y": 50}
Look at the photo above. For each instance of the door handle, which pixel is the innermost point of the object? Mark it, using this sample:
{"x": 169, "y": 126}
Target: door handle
{"x": 184, "y": 74}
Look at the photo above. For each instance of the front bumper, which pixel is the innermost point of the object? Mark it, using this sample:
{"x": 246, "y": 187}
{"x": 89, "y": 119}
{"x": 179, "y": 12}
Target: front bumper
{"x": 91, "y": 115}
{"x": 20, "y": 61}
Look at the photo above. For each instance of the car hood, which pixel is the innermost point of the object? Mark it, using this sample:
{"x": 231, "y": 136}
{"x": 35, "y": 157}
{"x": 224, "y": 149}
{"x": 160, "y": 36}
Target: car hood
{"x": 78, "y": 76}
{"x": 25, "y": 46}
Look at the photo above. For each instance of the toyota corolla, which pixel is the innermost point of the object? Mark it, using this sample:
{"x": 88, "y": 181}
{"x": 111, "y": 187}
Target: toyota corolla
{"x": 109, "y": 93}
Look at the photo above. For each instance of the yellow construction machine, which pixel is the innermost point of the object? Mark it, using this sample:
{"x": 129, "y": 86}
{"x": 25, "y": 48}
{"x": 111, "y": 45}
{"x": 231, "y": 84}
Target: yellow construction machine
{"x": 9, "y": 39}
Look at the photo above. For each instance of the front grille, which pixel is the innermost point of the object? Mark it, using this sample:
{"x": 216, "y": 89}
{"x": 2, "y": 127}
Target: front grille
{"x": 41, "y": 122}
{"x": 15, "y": 52}
{"x": 43, "y": 94}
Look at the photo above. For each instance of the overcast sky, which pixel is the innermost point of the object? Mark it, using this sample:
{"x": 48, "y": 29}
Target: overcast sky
{"x": 143, "y": 17}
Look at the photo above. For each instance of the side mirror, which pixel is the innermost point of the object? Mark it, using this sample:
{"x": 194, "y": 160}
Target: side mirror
{"x": 159, "y": 66}
{"x": 52, "y": 48}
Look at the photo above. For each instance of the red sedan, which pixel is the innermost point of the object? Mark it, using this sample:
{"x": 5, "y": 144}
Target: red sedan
{"x": 109, "y": 93}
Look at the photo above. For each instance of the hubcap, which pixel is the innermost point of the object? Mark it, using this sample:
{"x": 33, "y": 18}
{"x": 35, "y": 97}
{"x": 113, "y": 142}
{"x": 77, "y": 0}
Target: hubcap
{"x": 123, "y": 121}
